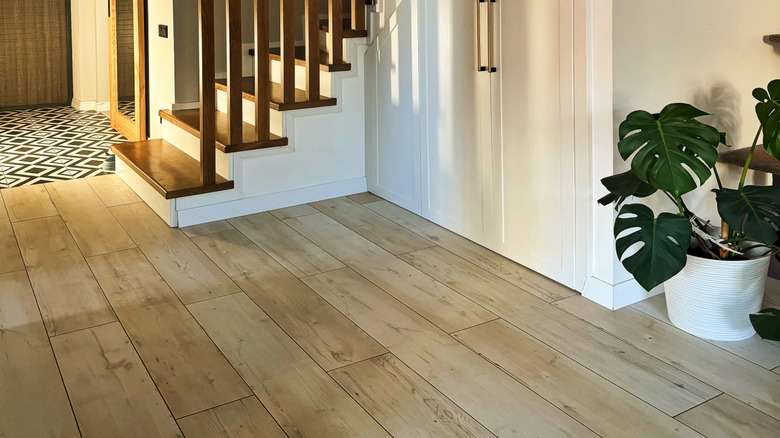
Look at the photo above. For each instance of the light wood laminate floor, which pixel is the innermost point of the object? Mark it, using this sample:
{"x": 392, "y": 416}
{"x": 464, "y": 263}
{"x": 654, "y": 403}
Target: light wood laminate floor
{"x": 349, "y": 317}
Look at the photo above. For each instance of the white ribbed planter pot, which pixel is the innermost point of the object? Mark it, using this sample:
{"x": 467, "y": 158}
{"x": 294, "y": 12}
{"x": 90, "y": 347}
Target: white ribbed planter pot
{"x": 712, "y": 299}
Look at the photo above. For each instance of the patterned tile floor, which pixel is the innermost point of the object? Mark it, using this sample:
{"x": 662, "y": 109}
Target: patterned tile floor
{"x": 52, "y": 144}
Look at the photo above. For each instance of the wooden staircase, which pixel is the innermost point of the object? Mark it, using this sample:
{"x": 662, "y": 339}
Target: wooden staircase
{"x": 242, "y": 114}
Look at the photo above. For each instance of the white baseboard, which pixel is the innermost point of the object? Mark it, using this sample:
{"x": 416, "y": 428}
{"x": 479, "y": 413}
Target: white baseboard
{"x": 90, "y": 105}
{"x": 271, "y": 201}
{"x": 616, "y": 296}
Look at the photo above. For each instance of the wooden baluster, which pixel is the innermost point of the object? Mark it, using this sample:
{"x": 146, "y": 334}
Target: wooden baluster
{"x": 208, "y": 104}
{"x": 287, "y": 32}
{"x": 262, "y": 70}
{"x": 234, "y": 72}
{"x": 313, "y": 49}
{"x": 358, "y": 15}
{"x": 335, "y": 31}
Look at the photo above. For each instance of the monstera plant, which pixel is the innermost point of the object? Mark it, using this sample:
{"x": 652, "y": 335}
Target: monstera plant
{"x": 673, "y": 153}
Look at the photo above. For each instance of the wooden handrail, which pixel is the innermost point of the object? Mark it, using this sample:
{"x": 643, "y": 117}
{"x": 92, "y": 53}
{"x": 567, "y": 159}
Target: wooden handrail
{"x": 335, "y": 32}
{"x": 208, "y": 104}
{"x": 287, "y": 34}
{"x": 262, "y": 70}
{"x": 358, "y": 15}
{"x": 234, "y": 72}
{"x": 312, "y": 21}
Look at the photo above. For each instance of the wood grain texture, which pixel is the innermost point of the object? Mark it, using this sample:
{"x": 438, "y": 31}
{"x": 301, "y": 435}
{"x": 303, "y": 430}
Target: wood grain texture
{"x": 111, "y": 392}
{"x": 208, "y": 100}
{"x": 246, "y": 418}
{"x": 287, "y": 41}
{"x": 587, "y": 397}
{"x": 295, "y": 252}
{"x": 510, "y": 271}
{"x": 262, "y": 69}
{"x": 276, "y": 96}
{"x": 68, "y": 295}
{"x": 439, "y": 304}
{"x": 325, "y": 334}
{"x": 374, "y": 227}
{"x": 208, "y": 228}
{"x": 648, "y": 378}
{"x": 727, "y": 417}
{"x": 737, "y": 377}
{"x": 183, "y": 266}
{"x": 302, "y": 397}
{"x": 33, "y": 402}
{"x": 335, "y": 31}
{"x": 364, "y": 198}
{"x": 312, "y": 38}
{"x": 28, "y": 202}
{"x": 755, "y": 349}
{"x": 403, "y": 403}
{"x": 234, "y": 72}
{"x": 93, "y": 227}
{"x": 190, "y": 372}
{"x": 496, "y": 400}
{"x": 33, "y": 65}
{"x": 10, "y": 257}
{"x": 112, "y": 190}
{"x": 295, "y": 211}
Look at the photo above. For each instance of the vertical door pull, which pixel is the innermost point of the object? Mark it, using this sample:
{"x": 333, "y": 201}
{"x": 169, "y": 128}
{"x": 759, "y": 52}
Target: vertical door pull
{"x": 491, "y": 49}
{"x": 481, "y": 29}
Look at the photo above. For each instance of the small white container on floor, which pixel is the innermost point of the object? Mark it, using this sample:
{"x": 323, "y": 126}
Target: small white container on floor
{"x": 712, "y": 299}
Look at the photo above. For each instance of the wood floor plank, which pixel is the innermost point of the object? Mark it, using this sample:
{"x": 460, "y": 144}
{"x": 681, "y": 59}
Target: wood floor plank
{"x": 28, "y": 202}
{"x": 639, "y": 373}
{"x": 111, "y": 391}
{"x": 295, "y": 211}
{"x": 755, "y": 349}
{"x": 246, "y": 418}
{"x": 10, "y": 257}
{"x": 68, "y": 295}
{"x": 33, "y": 402}
{"x": 364, "y": 198}
{"x": 187, "y": 367}
{"x": 89, "y": 221}
{"x": 738, "y": 377}
{"x": 302, "y": 397}
{"x": 183, "y": 266}
{"x": 496, "y": 400}
{"x": 510, "y": 271}
{"x": 439, "y": 304}
{"x": 295, "y": 252}
{"x": 325, "y": 334}
{"x": 403, "y": 403}
{"x": 374, "y": 227}
{"x": 589, "y": 398}
{"x": 727, "y": 417}
{"x": 203, "y": 229}
{"x": 112, "y": 190}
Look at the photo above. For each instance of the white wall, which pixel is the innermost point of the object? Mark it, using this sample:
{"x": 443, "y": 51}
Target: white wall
{"x": 90, "y": 54}
{"x": 161, "y": 62}
{"x": 708, "y": 53}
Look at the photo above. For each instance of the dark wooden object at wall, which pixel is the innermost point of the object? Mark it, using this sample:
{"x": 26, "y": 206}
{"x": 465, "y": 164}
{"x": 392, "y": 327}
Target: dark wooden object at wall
{"x": 312, "y": 49}
{"x": 33, "y": 52}
{"x": 262, "y": 70}
{"x": 335, "y": 32}
{"x": 208, "y": 104}
{"x": 358, "y": 15}
{"x": 234, "y": 72}
{"x": 287, "y": 33}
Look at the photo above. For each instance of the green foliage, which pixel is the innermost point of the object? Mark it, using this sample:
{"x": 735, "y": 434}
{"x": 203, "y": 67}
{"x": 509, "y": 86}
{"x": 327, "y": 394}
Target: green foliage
{"x": 623, "y": 186}
{"x": 664, "y": 242}
{"x": 753, "y": 212}
{"x": 768, "y": 111}
{"x": 668, "y": 146}
{"x": 767, "y": 324}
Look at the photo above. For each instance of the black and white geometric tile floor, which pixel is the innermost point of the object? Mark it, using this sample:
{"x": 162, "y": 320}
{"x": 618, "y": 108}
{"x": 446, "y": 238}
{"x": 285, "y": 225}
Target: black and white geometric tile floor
{"x": 48, "y": 144}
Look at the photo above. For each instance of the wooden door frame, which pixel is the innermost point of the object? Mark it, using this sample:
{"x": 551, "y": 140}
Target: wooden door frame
{"x": 132, "y": 130}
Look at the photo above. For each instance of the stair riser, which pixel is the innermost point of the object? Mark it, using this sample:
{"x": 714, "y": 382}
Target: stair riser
{"x": 190, "y": 145}
{"x": 248, "y": 113}
{"x": 300, "y": 77}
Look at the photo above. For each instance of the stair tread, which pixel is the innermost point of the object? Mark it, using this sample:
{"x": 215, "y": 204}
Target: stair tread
{"x": 189, "y": 120}
{"x": 347, "y": 31}
{"x": 170, "y": 171}
{"x": 300, "y": 59}
{"x": 301, "y": 101}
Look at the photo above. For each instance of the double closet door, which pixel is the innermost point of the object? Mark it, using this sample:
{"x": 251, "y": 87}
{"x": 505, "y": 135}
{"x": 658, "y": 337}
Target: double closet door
{"x": 494, "y": 87}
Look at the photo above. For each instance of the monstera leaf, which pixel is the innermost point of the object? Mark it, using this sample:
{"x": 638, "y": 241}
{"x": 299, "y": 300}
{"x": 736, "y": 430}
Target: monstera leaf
{"x": 668, "y": 146}
{"x": 754, "y": 211}
{"x": 768, "y": 111}
{"x": 624, "y": 185}
{"x": 664, "y": 239}
{"x": 767, "y": 324}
